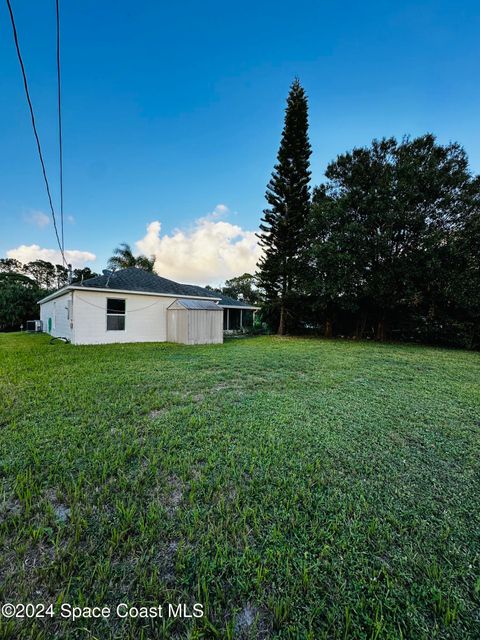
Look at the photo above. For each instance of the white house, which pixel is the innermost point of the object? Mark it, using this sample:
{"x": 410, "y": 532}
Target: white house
{"x": 132, "y": 305}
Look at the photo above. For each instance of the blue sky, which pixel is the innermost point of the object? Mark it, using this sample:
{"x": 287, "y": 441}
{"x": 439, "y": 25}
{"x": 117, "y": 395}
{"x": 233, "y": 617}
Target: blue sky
{"x": 171, "y": 109}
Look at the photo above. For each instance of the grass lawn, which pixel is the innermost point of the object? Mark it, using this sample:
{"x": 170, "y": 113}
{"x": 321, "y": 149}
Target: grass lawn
{"x": 296, "y": 488}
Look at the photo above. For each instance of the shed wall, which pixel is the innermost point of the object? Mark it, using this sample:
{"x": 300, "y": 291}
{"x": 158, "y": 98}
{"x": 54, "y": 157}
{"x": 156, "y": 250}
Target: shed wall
{"x": 205, "y": 327}
{"x": 177, "y": 326}
{"x": 195, "y": 326}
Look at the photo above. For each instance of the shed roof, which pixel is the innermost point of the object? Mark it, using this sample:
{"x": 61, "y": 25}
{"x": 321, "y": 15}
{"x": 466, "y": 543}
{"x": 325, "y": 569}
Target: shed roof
{"x": 205, "y": 305}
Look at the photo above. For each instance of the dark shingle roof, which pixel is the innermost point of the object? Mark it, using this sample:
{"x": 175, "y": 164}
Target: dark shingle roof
{"x": 231, "y": 302}
{"x": 134, "y": 279}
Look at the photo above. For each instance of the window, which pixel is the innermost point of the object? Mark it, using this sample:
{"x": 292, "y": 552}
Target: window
{"x": 115, "y": 314}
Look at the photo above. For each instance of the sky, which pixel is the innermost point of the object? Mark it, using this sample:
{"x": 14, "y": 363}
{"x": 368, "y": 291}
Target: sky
{"x": 172, "y": 114}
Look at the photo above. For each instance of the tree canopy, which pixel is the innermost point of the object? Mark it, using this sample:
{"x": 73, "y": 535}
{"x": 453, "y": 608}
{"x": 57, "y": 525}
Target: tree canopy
{"x": 19, "y": 295}
{"x": 387, "y": 247}
{"x": 244, "y": 287}
{"x": 389, "y": 230}
{"x": 123, "y": 258}
{"x": 22, "y": 285}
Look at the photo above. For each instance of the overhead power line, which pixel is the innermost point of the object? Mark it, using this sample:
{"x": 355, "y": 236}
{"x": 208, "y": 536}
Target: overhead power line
{"x": 35, "y": 132}
{"x": 59, "y": 108}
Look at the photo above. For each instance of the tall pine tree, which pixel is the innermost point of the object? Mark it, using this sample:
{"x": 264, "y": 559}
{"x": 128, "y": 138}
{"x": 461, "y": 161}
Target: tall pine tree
{"x": 283, "y": 228}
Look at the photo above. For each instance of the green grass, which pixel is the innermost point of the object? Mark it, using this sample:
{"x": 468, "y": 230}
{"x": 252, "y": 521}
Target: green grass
{"x": 296, "y": 488}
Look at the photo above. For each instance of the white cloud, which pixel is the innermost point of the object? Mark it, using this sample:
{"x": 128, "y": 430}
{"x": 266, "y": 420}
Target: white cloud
{"x": 39, "y": 219}
{"x": 219, "y": 211}
{"x": 209, "y": 253}
{"x": 28, "y": 253}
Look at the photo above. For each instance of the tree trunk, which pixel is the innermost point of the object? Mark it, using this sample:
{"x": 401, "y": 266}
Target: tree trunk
{"x": 381, "y": 331}
{"x": 328, "y": 328}
{"x": 281, "y": 324}
{"x": 471, "y": 339}
{"x": 360, "y": 329}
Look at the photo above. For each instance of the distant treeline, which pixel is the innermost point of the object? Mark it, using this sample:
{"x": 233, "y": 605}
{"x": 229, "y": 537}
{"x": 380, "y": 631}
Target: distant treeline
{"x": 22, "y": 285}
{"x": 388, "y": 247}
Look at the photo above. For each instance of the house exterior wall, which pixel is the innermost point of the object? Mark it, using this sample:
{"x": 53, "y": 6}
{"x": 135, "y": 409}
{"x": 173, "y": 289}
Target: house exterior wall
{"x": 56, "y": 316}
{"x": 145, "y": 318}
{"x": 81, "y": 316}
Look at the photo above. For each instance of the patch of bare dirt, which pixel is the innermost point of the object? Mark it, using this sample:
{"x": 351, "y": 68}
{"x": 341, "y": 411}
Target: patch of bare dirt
{"x": 60, "y": 509}
{"x": 156, "y": 413}
{"x": 9, "y": 508}
{"x": 250, "y": 624}
{"x": 38, "y": 556}
{"x": 166, "y": 561}
{"x": 175, "y": 496}
{"x": 222, "y": 386}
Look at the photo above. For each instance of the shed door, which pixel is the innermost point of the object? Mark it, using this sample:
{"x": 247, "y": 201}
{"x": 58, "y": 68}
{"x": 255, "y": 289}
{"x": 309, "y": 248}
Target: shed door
{"x": 172, "y": 322}
{"x": 205, "y": 327}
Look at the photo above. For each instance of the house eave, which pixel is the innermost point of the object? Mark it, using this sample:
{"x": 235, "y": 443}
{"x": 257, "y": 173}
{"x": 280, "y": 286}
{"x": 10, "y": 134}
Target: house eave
{"x": 61, "y": 292}
{"x": 243, "y": 306}
{"x": 55, "y": 294}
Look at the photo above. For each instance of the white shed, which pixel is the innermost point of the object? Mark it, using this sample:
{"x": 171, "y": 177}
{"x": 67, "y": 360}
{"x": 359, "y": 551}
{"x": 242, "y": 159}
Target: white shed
{"x": 194, "y": 322}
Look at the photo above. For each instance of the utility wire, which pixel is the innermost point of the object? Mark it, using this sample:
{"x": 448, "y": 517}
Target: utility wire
{"x": 97, "y": 306}
{"x": 32, "y": 115}
{"x": 60, "y": 139}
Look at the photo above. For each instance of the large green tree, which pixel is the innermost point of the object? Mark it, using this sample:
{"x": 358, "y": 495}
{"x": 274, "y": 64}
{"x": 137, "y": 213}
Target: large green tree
{"x": 284, "y": 223}
{"x": 123, "y": 258}
{"x": 46, "y": 275}
{"x": 43, "y": 272}
{"x": 10, "y": 265}
{"x": 19, "y": 295}
{"x": 385, "y": 228}
{"x": 79, "y": 275}
{"x": 243, "y": 286}
{"x": 461, "y": 302}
